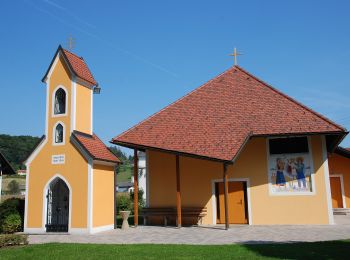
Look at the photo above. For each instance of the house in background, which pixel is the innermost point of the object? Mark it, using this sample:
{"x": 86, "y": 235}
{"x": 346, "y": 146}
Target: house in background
{"x": 70, "y": 179}
{"x": 339, "y": 169}
{"x": 236, "y": 150}
{"x": 22, "y": 172}
{"x": 5, "y": 169}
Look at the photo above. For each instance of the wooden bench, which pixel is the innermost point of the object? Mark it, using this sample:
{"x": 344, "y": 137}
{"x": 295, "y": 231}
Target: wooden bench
{"x": 170, "y": 212}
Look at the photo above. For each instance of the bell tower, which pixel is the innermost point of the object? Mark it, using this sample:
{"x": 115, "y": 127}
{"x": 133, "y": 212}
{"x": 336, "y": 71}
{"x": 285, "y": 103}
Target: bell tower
{"x": 71, "y": 170}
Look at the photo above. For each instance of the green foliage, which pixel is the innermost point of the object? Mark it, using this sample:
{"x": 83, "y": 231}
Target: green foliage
{"x": 17, "y": 148}
{"x": 141, "y": 201}
{"x": 12, "y": 223}
{"x": 13, "y": 187}
{"x": 13, "y": 240}
{"x": 9, "y": 207}
{"x": 123, "y": 202}
{"x": 124, "y": 173}
{"x": 119, "y": 153}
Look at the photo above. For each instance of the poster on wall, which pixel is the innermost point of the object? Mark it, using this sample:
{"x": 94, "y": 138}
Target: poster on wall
{"x": 290, "y": 173}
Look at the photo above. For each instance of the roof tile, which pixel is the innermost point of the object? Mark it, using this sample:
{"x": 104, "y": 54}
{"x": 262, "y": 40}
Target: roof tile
{"x": 95, "y": 147}
{"x": 215, "y": 119}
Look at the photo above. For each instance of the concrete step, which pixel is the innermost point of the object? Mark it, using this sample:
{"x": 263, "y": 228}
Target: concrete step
{"x": 341, "y": 211}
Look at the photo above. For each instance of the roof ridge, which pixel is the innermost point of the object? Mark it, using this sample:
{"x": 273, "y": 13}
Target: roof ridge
{"x": 291, "y": 99}
{"x": 72, "y": 53}
{"x": 174, "y": 102}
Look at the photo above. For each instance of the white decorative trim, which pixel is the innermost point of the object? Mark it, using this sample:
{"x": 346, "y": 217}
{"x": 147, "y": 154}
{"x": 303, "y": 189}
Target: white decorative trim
{"x": 52, "y": 68}
{"x": 34, "y": 230}
{"x": 73, "y": 118}
{"x": 53, "y": 102}
{"x": 54, "y": 134}
{"x": 327, "y": 182}
{"x": 47, "y": 107}
{"x": 90, "y": 195}
{"x": 35, "y": 152}
{"x": 313, "y": 186}
{"x": 340, "y": 176}
{"x": 101, "y": 228}
{"x": 213, "y": 198}
{"x": 25, "y": 225}
{"x": 44, "y": 212}
{"x": 147, "y": 178}
{"x": 92, "y": 112}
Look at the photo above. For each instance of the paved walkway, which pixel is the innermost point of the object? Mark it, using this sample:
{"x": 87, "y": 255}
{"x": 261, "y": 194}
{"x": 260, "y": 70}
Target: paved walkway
{"x": 207, "y": 235}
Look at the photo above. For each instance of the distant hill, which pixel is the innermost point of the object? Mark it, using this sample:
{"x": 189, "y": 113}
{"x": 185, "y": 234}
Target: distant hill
{"x": 17, "y": 148}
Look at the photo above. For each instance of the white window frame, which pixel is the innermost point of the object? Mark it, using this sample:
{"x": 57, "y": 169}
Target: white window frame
{"x": 53, "y": 102}
{"x": 54, "y": 134}
{"x": 312, "y": 170}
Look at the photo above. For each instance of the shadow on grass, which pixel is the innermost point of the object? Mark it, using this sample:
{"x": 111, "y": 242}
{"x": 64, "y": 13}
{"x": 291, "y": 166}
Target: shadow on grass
{"x": 339, "y": 249}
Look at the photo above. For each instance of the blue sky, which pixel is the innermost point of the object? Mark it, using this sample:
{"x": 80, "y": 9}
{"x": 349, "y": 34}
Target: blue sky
{"x": 146, "y": 54}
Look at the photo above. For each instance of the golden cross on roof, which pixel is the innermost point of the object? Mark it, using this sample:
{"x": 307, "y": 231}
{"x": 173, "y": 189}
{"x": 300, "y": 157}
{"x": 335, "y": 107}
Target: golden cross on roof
{"x": 235, "y": 54}
{"x": 71, "y": 43}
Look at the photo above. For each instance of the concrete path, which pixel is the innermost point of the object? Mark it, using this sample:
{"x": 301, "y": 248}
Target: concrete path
{"x": 207, "y": 235}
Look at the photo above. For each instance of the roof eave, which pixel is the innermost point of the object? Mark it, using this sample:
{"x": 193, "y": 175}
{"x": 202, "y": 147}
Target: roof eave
{"x": 145, "y": 147}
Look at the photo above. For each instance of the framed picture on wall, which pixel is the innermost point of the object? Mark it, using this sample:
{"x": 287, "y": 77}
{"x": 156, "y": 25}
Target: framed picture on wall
{"x": 290, "y": 166}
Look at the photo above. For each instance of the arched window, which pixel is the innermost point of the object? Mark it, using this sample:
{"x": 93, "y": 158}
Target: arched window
{"x": 60, "y": 102}
{"x": 59, "y": 134}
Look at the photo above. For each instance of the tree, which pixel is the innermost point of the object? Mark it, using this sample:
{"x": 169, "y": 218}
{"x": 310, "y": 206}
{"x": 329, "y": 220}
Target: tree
{"x": 13, "y": 187}
{"x": 17, "y": 148}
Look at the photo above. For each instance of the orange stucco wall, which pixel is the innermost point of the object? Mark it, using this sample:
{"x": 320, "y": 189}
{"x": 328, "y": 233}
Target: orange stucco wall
{"x": 83, "y": 109}
{"x": 196, "y": 185}
{"x": 103, "y": 195}
{"x": 341, "y": 165}
{"x": 74, "y": 170}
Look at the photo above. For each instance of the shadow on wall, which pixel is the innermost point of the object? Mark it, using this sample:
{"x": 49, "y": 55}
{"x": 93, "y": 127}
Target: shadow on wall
{"x": 313, "y": 250}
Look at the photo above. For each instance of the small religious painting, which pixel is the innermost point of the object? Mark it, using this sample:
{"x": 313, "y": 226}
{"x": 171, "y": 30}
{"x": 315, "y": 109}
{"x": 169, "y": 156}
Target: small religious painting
{"x": 290, "y": 173}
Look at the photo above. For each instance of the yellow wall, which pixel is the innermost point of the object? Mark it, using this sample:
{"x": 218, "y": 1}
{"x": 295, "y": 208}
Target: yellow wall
{"x": 103, "y": 195}
{"x": 83, "y": 109}
{"x": 196, "y": 185}
{"x": 341, "y": 165}
{"x": 74, "y": 170}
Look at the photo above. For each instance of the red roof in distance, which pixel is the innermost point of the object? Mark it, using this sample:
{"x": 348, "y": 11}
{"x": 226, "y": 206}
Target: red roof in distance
{"x": 216, "y": 119}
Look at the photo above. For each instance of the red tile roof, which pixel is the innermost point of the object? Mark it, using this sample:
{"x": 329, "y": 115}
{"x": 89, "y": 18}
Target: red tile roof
{"x": 216, "y": 119}
{"x": 93, "y": 145}
{"x": 79, "y": 67}
{"x": 76, "y": 64}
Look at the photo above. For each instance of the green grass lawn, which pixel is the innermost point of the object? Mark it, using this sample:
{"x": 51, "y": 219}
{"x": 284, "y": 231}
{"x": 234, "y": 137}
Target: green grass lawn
{"x": 125, "y": 172}
{"x": 319, "y": 250}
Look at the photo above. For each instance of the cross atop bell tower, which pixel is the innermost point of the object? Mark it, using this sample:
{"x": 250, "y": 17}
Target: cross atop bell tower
{"x": 235, "y": 54}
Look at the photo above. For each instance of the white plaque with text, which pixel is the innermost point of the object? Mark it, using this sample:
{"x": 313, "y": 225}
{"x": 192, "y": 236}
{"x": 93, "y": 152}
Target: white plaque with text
{"x": 58, "y": 159}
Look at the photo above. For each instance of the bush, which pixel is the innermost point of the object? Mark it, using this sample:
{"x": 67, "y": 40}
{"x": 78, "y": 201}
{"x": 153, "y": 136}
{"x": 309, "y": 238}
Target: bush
{"x": 123, "y": 202}
{"x": 13, "y": 240}
{"x": 11, "y": 206}
{"x": 13, "y": 187}
{"x": 141, "y": 201}
{"x": 12, "y": 224}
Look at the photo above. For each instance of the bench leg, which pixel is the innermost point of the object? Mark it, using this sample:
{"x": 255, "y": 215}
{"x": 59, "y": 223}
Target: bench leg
{"x": 145, "y": 221}
{"x": 165, "y": 221}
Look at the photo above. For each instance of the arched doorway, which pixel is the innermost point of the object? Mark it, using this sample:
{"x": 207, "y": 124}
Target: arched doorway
{"x": 57, "y": 206}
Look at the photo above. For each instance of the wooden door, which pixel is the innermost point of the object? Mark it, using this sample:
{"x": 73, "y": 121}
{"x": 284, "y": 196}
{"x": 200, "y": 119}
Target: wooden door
{"x": 237, "y": 206}
{"x": 337, "y": 197}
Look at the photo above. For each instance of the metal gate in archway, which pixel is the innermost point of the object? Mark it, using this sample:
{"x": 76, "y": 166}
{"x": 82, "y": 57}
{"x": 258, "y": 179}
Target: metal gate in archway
{"x": 57, "y": 206}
